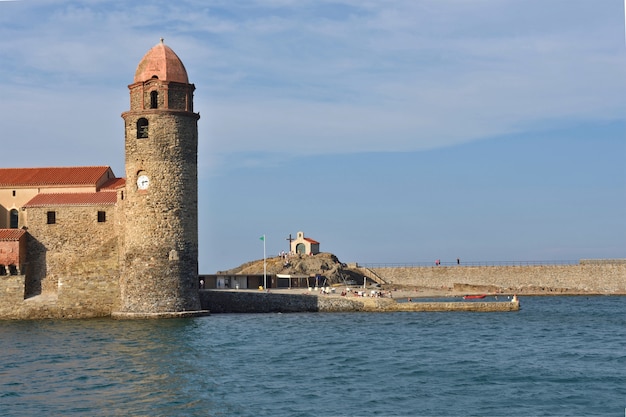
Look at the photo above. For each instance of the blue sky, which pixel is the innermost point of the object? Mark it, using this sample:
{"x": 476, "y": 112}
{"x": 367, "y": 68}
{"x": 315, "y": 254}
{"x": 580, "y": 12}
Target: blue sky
{"x": 390, "y": 131}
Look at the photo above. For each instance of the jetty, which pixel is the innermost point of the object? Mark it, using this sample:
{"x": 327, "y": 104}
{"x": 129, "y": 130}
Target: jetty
{"x": 254, "y": 301}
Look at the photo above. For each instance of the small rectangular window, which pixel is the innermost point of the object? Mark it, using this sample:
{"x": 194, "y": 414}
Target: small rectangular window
{"x": 52, "y": 217}
{"x": 13, "y": 193}
{"x": 102, "y": 216}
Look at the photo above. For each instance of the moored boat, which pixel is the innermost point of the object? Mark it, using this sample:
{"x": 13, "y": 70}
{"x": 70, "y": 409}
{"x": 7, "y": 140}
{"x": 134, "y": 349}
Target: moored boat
{"x": 474, "y": 296}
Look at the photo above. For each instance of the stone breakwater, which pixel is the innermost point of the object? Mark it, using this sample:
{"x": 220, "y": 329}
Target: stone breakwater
{"x": 587, "y": 277}
{"x": 224, "y": 301}
{"x": 95, "y": 291}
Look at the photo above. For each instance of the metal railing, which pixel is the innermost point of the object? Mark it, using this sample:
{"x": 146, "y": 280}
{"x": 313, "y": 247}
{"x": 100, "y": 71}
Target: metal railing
{"x": 466, "y": 263}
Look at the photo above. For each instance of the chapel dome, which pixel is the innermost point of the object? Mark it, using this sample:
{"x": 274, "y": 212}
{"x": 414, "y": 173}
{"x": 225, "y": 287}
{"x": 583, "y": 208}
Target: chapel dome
{"x": 162, "y": 63}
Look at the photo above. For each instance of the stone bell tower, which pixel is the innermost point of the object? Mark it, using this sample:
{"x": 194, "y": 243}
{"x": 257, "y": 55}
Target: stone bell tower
{"x": 159, "y": 261}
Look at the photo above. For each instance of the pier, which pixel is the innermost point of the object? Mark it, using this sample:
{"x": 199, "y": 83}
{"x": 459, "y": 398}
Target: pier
{"x": 251, "y": 301}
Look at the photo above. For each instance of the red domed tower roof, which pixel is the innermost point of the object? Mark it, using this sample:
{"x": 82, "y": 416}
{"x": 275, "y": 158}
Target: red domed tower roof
{"x": 162, "y": 63}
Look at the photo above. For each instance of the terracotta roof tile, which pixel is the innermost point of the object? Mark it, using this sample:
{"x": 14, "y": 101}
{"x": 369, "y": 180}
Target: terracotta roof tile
{"x": 113, "y": 184}
{"x": 315, "y": 242}
{"x": 161, "y": 62}
{"x": 73, "y": 199}
{"x": 11, "y": 234}
{"x": 56, "y": 176}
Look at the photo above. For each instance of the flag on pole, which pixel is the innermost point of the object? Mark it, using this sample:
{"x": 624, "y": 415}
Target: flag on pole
{"x": 264, "y": 264}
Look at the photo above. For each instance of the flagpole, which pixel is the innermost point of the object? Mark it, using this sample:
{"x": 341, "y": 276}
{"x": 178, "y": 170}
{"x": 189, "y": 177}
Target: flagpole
{"x": 264, "y": 266}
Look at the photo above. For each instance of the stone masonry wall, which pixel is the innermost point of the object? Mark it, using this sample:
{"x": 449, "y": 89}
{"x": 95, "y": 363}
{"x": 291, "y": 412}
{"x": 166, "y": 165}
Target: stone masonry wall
{"x": 91, "y": 291}
{"x": 76, "y": 259}
{"x": 159, "y": 263}
{"x": 219, "y": 301}
{"x": 171, "y": 95}
{"x": 11, "y": 292}
{"x": 262, "y": 302}
{"x": 599, "y": 278}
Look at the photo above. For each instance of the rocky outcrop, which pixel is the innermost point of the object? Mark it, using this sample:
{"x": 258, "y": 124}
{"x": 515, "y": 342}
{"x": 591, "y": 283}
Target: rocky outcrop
{"x": 325, "y": 264}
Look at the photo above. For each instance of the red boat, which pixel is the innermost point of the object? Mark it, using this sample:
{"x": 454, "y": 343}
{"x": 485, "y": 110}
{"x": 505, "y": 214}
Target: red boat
{"x": 474, "y": 297}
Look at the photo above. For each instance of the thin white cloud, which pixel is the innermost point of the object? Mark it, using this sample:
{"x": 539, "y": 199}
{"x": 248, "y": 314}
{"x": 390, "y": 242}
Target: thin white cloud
{"x": 345, "y": 76}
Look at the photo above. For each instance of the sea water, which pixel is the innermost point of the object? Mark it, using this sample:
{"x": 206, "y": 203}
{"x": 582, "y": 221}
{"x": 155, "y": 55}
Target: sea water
{"x": 558, "y": 356}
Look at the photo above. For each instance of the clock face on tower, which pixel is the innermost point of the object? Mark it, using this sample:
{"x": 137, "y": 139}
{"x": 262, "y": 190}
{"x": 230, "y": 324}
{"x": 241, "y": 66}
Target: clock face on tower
{"x": 143, "y": 182}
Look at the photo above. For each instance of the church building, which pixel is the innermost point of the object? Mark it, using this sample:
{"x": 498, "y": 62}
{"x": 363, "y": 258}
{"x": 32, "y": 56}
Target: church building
{"x": 304, "y": 245}
{"x": 93, "y": 244}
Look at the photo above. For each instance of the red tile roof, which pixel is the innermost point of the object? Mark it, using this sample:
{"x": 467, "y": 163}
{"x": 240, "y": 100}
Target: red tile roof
{"x": 113, "y": 184}
{"x": 11, "y": 234}
{"x": 73, "y": 199}
{"x": 60, "y": 176}
{"x": 163, "y": 63}
{"x": 315, "y": 242}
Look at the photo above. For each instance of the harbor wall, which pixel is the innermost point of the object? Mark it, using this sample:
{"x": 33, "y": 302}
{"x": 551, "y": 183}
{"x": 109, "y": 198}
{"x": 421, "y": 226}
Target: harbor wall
{"x": 91, "y": 288}
{"x": 587, "y": 277}
{"x": 77, "y": 298}
{"x": 240, "y": 301}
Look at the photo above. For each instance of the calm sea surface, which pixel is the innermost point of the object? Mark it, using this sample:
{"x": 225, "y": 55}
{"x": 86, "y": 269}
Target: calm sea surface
{"x": 558, "y": 356}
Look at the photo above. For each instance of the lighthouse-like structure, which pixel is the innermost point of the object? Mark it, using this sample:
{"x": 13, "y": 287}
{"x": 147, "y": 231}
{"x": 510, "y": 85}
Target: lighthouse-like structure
{"x": 159, "y": 254}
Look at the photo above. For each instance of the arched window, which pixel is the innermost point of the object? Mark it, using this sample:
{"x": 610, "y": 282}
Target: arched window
{"x": 142, "y": 128}
{"x": 14, "y": 221}
{"x": 154, "y": 99}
